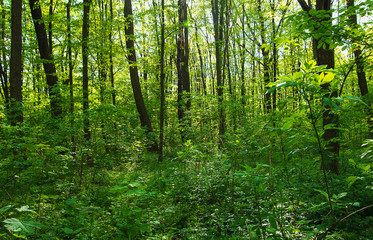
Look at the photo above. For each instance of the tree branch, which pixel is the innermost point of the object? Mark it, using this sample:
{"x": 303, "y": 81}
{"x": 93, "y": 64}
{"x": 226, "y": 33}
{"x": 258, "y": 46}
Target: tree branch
{"x": 304, "y": 5}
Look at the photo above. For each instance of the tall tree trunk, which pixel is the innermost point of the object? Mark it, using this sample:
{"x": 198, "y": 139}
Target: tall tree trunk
{"x": 359, "y": 61}
{"x": 85, "y": 50}
{"x": 134, "y": 74}
{"x": 71, "y": 77}
{"x": 47, "y": 57}
{"x": 16, "y": 114}
{"x": 50, "y": 28}
{"x": 3, "y": 61}
{"x": 201, "y": 65}
{"x": 162, "y": 78}
{"x": 265, "y": 54}
{"x": 218, "y": 19}
{"x": 243, "y": 58}
{"x": 274, "y": 54}
{"x": 324, "y": 55}
{"x": 183, "y": 69}
{"x": 113, "y": 95}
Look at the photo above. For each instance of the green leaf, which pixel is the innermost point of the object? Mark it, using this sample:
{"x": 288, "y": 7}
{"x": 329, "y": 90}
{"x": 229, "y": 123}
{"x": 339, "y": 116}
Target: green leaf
{"x": 4, "y": 209}
{"x": 272, "y": 89}
{"x": 25, "y": 209}
{"x": 351, "y": 180}
{"x": 341, "y": 195}
{"x": 68, "y": 230}
{"x": 356, "y": 99}
{"x": 25, "y": 225}
{"x": 323, "y": 193}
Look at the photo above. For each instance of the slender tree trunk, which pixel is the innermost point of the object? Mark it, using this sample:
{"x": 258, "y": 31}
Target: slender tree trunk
{"x": 47, "y": 57}
{"x": 85, "y": 50}
{"x": 218, "y": 19}
{"x": 16, "y": 114}
{"x": 183, "y": 99}
{"x": 274, "y": 54}
{"x": 71, "y": 77}
{"x": 134, "y": 74}
{"x": 201, "y": 64}
{"x": 113, "y": 95}
{"x": 265, "y": 54}
{"x": 243, "y": 58}
{"x": 359, "y": 61}
{"x": 3, "y": 61}
{"x": 162, "y": 78}
{"x": 50, "y": 28}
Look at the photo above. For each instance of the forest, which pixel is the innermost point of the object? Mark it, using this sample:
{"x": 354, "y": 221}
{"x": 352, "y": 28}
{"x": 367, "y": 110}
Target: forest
{"x": 181, "y": 119}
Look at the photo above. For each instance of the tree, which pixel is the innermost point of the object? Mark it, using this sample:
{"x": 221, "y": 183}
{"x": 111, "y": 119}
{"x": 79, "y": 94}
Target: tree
{"x": 16, "y": 114}
{"x": 85, "y": 50}
{"x": 218, "y": 20}
{"x": 47, "y": 58}
{"x": 134, "y": 74}
{"x": 324, "y": 55}
{"x": 162, "y": 79}
{"x": 359, "y": 61}
{"x": 183, "y": 98}
{"x": 3, "y": 62}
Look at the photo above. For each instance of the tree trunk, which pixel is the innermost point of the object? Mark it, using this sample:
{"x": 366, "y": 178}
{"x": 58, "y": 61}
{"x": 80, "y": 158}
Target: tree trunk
{"x": 3, "y": 61}
{"x": 85, "y": 50}
{"x": 162, "y": 78}
{"x": 324, "y": 55}
{"x": 183, "y": 69}
{"x": 265, "y": 54}
{"x": 50, "y": 28}
{"x": 113, "y": 95}
{"x": 218, "y": 19}
{"x": 359, "y": 61}
{"x": 16, "y": 112}
{"x": 47, "y": 57}
{"x": 135, "y": 82}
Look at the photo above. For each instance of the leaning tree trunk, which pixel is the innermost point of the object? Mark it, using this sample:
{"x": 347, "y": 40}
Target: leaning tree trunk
{"x": 47, "y": 57}
{"x": 134, "y": 74}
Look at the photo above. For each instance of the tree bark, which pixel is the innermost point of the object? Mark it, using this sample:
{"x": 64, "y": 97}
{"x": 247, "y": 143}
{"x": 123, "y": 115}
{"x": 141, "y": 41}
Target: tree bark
{"x": 265, "y": 54}
{"x": 134, "y": 74}
{"x": 113, "y": 95}
{"x": 324, "y": 55}
{"x": 359, "y": 61}
{"x": 218, "y": 19}
{"x": 162, "y": 79}
{"x": 85, "y": 50}
{"x": 16, "y": 112}
{"x": 183, "y": 99}
{"x": 3, "y": 61}
{"x": 47, "y": 57}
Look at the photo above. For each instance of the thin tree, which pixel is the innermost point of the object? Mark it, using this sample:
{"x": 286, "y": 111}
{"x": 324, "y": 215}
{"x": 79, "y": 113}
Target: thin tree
{"x": 3, "y": 62}
{"x": 47, "y": 58}
{"x": 162, "y": 80}
{"x": 85, "y": 50}
{"x": 359, "y": 61}
{"x": 183, "y": 99}
{"x": 218, "y": 20}
{"x": 134, "y": 73}
{"x": 113, "y": 95}
{"x": 16, "y": 113}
